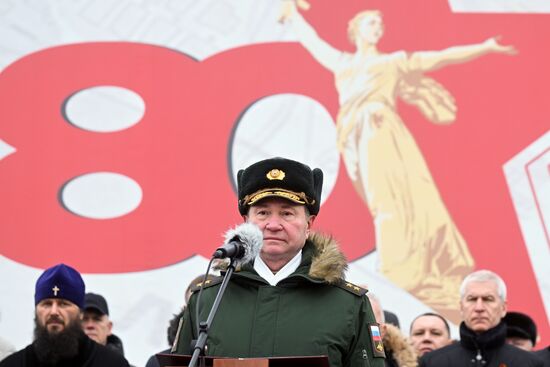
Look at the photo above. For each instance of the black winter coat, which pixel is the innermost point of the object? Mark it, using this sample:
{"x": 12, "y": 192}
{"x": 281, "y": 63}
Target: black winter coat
{"x": 114, "y": 343}
{"x": 90, "y": 354}
{"x": 480, "y": 350}
{"x": 544, "y": 355}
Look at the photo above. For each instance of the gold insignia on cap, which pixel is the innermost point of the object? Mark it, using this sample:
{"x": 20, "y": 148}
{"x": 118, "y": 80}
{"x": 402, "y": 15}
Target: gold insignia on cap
{"x": 55, "y": 289}
{"x": 275, "y": 174}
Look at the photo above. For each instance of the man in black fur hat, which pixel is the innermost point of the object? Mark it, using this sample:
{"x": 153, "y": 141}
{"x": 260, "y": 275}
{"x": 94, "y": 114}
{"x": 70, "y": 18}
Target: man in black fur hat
{"x": 521, "y": 330}
{"x": 291, "y": 299}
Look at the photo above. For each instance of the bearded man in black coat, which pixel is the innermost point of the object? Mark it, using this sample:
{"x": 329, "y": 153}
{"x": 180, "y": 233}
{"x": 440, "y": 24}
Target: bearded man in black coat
{"x": 59, "y": 340}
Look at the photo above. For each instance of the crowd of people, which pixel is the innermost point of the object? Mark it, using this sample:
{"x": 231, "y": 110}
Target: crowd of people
{"x": 291, "y": 299}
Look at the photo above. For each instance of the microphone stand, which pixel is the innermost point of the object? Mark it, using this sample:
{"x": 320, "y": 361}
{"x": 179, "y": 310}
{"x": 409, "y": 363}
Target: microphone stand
{"x": 205, "y": 325}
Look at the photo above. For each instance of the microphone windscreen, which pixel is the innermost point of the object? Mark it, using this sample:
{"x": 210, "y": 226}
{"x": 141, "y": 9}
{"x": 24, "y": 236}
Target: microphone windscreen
{"x": 250, "y": 236}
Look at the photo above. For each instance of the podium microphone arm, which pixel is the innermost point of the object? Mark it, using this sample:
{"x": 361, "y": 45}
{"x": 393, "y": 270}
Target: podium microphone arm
{"x": 205, "y": 325}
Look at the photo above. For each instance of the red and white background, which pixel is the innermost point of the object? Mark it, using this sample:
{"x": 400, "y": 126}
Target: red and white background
{"x": 123, "y": 123}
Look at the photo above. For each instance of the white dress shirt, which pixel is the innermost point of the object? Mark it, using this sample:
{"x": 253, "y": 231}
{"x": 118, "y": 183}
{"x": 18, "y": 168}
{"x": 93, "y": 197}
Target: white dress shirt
{"x": 263, "y": 270}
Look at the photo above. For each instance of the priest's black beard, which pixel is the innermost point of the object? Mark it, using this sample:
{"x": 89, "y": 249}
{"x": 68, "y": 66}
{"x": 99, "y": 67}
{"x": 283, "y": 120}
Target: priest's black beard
{"x": 52, "y": 348}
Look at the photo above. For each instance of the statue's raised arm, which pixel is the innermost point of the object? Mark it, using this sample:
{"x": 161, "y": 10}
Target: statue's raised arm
{"x": 433, "y": 60}
{"x": 324, "y": 53}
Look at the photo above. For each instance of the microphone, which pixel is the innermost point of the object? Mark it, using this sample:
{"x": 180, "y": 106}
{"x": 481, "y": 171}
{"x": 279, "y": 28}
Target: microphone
{"x": 242, "y": 242}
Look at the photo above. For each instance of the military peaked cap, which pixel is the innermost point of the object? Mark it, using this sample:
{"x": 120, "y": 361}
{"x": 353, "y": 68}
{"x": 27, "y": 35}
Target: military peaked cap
{"x": 280, "y": 177}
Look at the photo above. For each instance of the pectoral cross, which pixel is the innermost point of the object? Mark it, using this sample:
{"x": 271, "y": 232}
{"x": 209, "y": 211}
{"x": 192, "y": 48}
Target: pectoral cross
{"x": 55, "y": 290}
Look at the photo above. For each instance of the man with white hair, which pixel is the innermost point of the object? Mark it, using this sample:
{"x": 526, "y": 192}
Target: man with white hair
{"x": 482, "y": 331}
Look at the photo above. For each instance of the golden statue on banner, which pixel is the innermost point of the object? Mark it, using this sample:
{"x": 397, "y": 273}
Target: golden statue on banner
{"x": 419, "y": 247}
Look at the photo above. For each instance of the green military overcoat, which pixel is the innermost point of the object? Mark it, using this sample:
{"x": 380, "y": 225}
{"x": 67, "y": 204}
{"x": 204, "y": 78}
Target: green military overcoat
{"x": 311, "y": 312}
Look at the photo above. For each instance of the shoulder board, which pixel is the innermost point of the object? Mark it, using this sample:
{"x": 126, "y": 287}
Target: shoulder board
{"x": 206, "y": 284}
{"x": 352, "y": 288}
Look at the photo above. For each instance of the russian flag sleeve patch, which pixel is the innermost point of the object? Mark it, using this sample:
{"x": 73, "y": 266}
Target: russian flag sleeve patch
{"x": 376, "y": 341}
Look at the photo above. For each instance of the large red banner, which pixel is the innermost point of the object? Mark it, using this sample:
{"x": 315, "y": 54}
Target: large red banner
{"x": 180, "y": 150}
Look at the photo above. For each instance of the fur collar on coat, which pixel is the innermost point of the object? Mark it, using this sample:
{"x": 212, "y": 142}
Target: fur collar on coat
{"x": 396, "y": 343}
{"x": 328, "y": 261}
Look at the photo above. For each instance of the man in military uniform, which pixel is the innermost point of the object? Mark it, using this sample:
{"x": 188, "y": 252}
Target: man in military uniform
{"x": 291, "y": 300}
